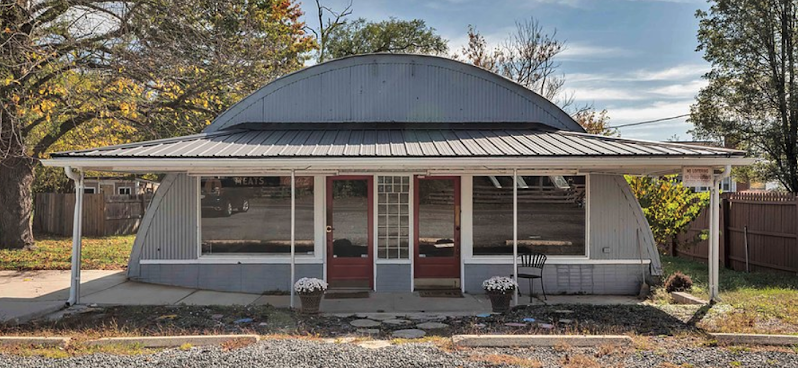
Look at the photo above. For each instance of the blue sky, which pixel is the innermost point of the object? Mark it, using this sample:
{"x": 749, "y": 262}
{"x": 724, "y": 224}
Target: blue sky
{"x": 636, "y": 58}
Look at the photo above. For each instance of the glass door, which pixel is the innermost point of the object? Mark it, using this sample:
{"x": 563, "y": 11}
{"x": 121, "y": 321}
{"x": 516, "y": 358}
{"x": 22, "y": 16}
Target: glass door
{"x": 437, "y": 220}
{"x": 349, "y": 231}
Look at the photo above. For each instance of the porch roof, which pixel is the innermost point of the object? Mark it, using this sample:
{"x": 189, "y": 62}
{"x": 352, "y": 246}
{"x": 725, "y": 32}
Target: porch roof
{"x": 301, "y": 145}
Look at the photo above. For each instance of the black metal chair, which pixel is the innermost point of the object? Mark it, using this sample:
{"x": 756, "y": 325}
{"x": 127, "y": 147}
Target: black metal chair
{"x": 532, "y": 261}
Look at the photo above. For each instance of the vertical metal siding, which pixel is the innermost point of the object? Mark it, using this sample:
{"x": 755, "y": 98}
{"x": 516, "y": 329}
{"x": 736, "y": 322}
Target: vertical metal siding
{"x": 394, "y": 88}
{"x": 172, "y": 233}
{"x": 616, "y": 219}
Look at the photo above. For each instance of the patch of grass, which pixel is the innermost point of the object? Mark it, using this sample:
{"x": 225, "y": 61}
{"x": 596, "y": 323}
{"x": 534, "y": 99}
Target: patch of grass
{"x": 76, "y": 349}
{"x": 761, "y": 302}
{"x": 579, "y": 361}
{"x": 54, "y": 253}
{"x": 506, "y": 360}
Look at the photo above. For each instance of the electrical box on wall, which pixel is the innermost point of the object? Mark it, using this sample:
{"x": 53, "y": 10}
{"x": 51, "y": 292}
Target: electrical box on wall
{"x": 605, "y": 249}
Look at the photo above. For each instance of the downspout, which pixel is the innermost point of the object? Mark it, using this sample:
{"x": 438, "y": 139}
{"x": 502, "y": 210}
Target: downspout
{"x": 77, "y": 227}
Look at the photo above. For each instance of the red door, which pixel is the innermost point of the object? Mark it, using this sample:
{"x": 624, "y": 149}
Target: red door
{"x": 437, "y": 223}
{"x": 349, "y": 231}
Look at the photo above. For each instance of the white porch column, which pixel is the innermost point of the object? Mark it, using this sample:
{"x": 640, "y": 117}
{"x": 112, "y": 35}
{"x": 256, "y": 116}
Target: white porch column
{"x": 515, "y": 234}
{"x": 293, "y": 233}
{"x": 77, "y": 230}
{"x": 714, "y": 234}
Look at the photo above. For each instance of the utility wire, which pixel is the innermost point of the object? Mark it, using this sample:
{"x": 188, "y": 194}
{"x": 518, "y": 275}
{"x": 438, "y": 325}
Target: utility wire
{"x": 650, "y": 121}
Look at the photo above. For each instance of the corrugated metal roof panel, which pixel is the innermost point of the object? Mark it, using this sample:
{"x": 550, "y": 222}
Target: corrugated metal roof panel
{"x": 445, "y": 142}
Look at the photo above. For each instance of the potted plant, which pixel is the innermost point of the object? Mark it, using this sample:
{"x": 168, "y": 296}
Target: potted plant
{"x": 310, "y": 291}
{"x": 500, "y": 290}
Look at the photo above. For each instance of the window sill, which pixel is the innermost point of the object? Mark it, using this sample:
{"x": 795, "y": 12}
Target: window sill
{"x": 555, "y": 260}
{"x": 238, "y": 259}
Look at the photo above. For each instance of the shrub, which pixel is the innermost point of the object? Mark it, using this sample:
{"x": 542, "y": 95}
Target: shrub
{"x": 678, "y": 282}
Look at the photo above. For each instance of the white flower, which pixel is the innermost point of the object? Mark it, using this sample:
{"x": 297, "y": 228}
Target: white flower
{"x": 309, "y": 285}
{"x": 499, "y": 284}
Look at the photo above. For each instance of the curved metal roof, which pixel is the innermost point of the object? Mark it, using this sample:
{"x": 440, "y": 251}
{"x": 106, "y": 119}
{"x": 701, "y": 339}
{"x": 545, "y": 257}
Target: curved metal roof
{"x": 386, "y": 88}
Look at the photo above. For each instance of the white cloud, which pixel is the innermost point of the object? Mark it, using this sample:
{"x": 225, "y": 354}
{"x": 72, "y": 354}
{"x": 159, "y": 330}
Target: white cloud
{"x": 583, "y": 52}
{"x": 679, "y": 72}
{"x": 657, "y": 110}
{"x": 605, "y": 94}
{"x": 681, "y": 90}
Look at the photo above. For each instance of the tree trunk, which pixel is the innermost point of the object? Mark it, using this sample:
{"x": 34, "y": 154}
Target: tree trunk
{"x": 16, "y": 202}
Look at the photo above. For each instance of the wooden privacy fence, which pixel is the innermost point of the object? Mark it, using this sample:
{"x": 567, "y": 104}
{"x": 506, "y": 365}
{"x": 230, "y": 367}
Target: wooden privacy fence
{"x": 759, "y": 232}
{"x": 102, "y": 215}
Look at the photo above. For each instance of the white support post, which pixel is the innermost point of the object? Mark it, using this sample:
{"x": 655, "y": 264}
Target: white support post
{"x": 714, "y": 238}
{"x": 293, "y": 233}
{"x": 515, "y": 235}
{"x": 77, "y": 230}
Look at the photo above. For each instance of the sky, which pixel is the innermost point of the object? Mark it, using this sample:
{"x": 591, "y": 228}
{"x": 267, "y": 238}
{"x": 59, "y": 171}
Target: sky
{"x": 635, "y": 58}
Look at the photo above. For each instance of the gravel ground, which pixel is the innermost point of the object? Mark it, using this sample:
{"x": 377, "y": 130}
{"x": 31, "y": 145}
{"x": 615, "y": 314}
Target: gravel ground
{"x": 297, "y": 353}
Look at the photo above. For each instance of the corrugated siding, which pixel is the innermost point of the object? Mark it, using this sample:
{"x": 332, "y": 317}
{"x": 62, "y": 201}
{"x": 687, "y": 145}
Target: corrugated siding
{"x": 394, "y": 88}
{"x": 616, "y": 220}
{"x": 563, "y": 279}
{"x": 172, "y": 233}
{"x": 246, "y": 278}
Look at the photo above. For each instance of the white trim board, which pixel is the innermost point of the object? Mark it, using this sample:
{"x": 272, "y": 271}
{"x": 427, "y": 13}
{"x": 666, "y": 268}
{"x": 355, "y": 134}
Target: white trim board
{"x": 239, "y": 260}
{"x": 560, "y": 261}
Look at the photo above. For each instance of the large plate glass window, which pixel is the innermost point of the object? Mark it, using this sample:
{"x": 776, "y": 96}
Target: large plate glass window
{"x": 393, "y": 217}
{"x": 243, "y": 214}
{"x": 551, "y": 215}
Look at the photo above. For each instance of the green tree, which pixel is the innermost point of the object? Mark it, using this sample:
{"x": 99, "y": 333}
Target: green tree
{"x": 752, "y": 96}
{"x": 668, "y": 205}
{"x": 81, "y": 73}
{"x": 393, "y": 36}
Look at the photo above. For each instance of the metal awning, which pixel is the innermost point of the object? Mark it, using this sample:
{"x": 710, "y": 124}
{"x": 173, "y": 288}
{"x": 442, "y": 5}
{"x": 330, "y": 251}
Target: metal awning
{"x": 407, "y": 148}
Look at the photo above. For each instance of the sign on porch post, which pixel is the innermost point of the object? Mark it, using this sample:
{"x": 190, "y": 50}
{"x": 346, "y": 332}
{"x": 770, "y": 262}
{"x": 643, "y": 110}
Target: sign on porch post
{"x": 697, "y": 176}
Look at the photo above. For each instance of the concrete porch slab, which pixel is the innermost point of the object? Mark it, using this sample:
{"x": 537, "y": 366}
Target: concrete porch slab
{"x": 136, "y": 293}
{"x": 54, "y": 285}
{"x": 208, "y": 297}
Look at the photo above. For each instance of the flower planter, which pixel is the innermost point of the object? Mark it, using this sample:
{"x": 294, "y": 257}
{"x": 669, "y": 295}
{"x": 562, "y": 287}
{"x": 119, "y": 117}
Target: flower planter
{"x": 311, "y": 302}
{"x": 500, "y": 290}
{"x": 500, "y": 303}
{"x": 310, "y": 291}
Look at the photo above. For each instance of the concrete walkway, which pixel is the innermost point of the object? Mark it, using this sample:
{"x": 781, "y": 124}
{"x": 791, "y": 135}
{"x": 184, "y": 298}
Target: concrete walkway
{"x": 31, "y": 294}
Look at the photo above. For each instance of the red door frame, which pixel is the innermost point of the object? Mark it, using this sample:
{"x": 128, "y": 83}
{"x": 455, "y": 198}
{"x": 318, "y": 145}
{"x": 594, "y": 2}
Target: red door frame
{"x": 437, "y": 267}
{"x": 341, "y": 269}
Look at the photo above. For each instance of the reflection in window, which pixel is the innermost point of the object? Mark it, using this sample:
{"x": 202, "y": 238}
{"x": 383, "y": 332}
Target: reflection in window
{"x": 253, "y": 215}
{"x": 551, "y": 215}
{"x": 350, "y": 218}
{"x": 393, "y": 216}
{"x": 436, "y": 218}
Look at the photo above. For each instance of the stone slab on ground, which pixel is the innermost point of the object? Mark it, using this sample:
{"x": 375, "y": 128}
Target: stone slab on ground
{"x": 680, "y": 297}
{"x": 432, "y": 326}
{"x": 409, "y": 334}
{"x": 755, "y": 339}
{"x": 374, "y": 344}
{"x": 365, "y": 323}
{"x": 396, "y": 322}
{"x": 368, "y": 331}
{"x": 33, "y": 340}
{"x": 172, "y": 341}
{"x": 539, "y": 340}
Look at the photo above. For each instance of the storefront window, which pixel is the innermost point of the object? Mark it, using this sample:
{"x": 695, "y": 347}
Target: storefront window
{"x": 551, "y": 215}
{"x": 242, "y": 214}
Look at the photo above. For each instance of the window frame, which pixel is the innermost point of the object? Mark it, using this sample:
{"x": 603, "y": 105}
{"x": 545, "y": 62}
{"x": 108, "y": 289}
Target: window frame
{"x": 266, "y": 258}
{"x": 129, "y": 191}
{"x": 93, "y": 190}
{"x": 471, "y": 258}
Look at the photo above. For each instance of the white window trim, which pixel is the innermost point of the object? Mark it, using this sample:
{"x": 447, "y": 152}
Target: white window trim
{"x": 93, "y": 190}
{"x": 270, "y": 258}
{"x": 119, "y": 189}
{"x": 467, "y": 232}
